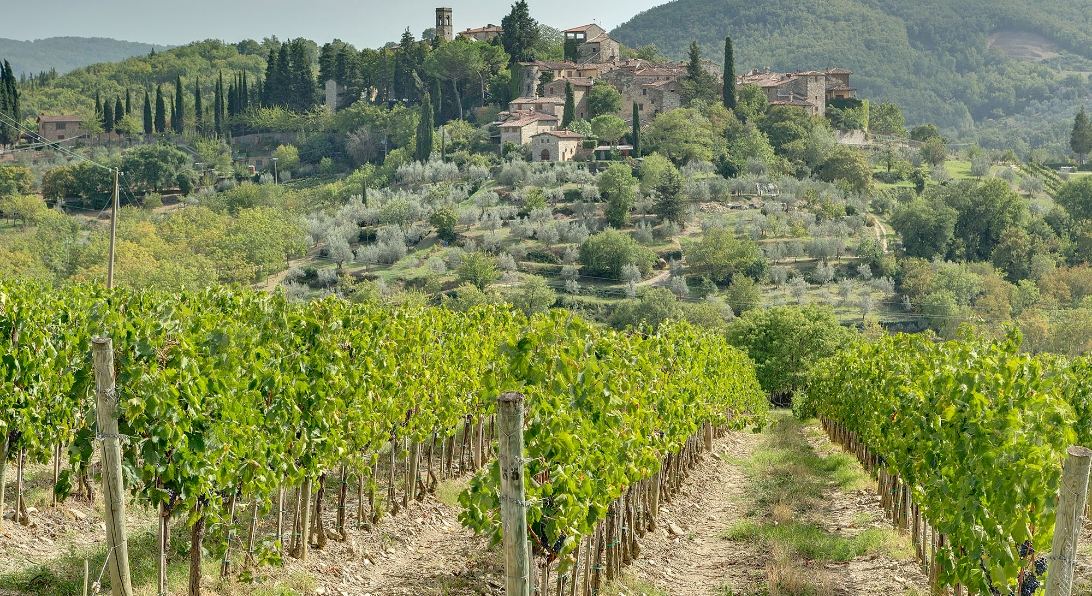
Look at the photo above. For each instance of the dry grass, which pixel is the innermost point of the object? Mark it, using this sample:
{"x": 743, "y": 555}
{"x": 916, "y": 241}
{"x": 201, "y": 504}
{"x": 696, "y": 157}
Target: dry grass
{"x": 787, "y": 578}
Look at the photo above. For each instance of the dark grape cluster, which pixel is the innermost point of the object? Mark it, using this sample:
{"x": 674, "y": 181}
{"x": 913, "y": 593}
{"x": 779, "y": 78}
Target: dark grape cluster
{"x": 1026, "y": 549}
{"x": 1031, "y": 583}
{"x": 1040, "y": 565}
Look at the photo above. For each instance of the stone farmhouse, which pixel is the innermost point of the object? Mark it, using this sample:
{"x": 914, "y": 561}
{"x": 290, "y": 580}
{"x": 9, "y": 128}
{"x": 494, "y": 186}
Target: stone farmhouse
{"x": 555, "y": 145}
{"x": 517, "y": 127}
{"x": 59, "y": 128}
{"x": 810, "y": 90}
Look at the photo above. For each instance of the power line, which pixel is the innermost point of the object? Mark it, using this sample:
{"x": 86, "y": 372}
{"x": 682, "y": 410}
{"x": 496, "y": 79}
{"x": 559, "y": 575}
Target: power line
{"x": 63, "y": 150}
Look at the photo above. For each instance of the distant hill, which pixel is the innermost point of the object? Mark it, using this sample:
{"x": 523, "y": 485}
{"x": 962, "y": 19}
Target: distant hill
{"x": 68, "y": 53}
{"x": 952, "y": 62}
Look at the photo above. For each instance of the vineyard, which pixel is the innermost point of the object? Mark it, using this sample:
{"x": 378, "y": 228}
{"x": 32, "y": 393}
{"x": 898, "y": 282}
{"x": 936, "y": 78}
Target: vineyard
{"x": 967, "y": 441}
{"x": 236, "y": 408}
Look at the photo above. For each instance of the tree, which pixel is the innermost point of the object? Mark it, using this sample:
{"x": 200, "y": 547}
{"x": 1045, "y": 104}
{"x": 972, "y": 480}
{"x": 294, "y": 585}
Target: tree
{"x": 108, "y": 117}
{"x": 1080, "y": 140}
{"x": 926, "y": 227}
{"x": 128, "y": 102}
{"x": 670, "y": 203}
{"x": 520, "y": 33}
{"x": 570, "y": 106}
{"x": 603, "y": 98}
{"x": 424, "y": 130}
{"x": 636, "y": 134}
{"x": 934, "y": 151}
{"x": 924, "y": 132}
{"x": 288, "y": 157}
{"x": 743, "y": 294}
{"x": 785, "y": 342}
{"x": 605, "y": 254}
{"x": 152, "y": 167}
{"x": 160, "y": 110}
{"x": 16, "y": 181}
{"x": 533, "y": 296}
{"x": 698, "y": 83}
{"x": 218, "y": 106}
{"x": 454, "y": 62}
{"x": 850, "y": 166}
{"x": 9, "y": 106}
{"x": 684, "y": 135}
{"x": 178, "y": 115}
{"x": 301, "y": 78}
{"x": 729, "y": 91}
{"x": 722, "y": 257}
{"x": 119, "y": 111}
{"x": 198, "y": 108}
{"x": 479, "y": 269}
{"x": 25, "y": 208}
{"x": 1076, "y": 197}
{"x": 886, "y": 118}
{"x": 149, "y": 123}
{"x": 609, "y": 127}
{"x": 618, "y": 183}
{"x": 654, "y": 308}
{"x": 444, "y": 220}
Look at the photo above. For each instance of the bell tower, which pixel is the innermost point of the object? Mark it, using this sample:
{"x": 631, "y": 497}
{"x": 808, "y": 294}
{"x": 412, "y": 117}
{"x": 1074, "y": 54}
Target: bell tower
{"x": 443, "y": 24}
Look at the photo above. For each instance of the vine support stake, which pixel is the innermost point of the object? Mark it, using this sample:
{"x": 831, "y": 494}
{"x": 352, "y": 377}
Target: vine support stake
{"x": 1072, "y": 495}
{"x": 112, "y": 487}
{"x": 517, "y": 563}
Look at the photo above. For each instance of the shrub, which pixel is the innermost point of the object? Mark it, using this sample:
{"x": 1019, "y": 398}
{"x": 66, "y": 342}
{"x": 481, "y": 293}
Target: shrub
{"x": 604, "y": 254}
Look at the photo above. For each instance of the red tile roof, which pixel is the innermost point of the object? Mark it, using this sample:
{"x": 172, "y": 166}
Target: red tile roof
{"x": 564, "y": 134}
{"x": 580, "y": 29}
{"x": 46, "y": 118}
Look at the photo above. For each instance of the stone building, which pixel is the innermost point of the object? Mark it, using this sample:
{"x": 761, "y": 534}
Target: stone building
{"x": 554, "y": 106}
{"x": 593, "y": 45}
{"x": 444, "y": 29}
{"x": 581, "y": 87}
{"x": 531, "y": 73}
{"x": 809, "y": 89}
{"x": 59, "y": 128}
{"x": 519, "y": 127}
{"x": 555, "y": 145}
{"x": 486, "y": 33}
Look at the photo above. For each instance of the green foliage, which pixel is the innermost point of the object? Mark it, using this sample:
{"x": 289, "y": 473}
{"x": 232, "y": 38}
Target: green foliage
{"x": 785, "y": 342}
{"x": 934, "y": 151}
{"x": 670, "y": 201}
{"x": 887, "y": 118}
{"x": 287, "y": 156}
{"x": 152, "y": 167}
{"x": 683, "y": 135}
{"x": 16, "y": 180}
{"x": 1076, "y": 197}
{"x": 654, "y": 308}
{"x": 55, "y": 55}
{"x": 603, "y": 98}
{"x": 533, "y": 296}
{"x": 743, "y": 294}
{"x": 728, "y": 93}
{"x": 605, "y": 254}
{"x": 925, "y": 226}
{"x": 973, "y": 388}
{"x": 521, "y": 33}
{"x": 608, "y": 127}
{"x": 570, "y": 106}
{"x": 635, "y": 134}
{"x": 698, "y": 85}
{"x": 478, "y": 269}
{"x": 618, "y": 185}
{"x": 424, "y": 131}
{"x": 1080, "y": 139}
{"x": 849, "y": 166}
{"x": 723, "y": 258}
{"x": 444, "y": 220}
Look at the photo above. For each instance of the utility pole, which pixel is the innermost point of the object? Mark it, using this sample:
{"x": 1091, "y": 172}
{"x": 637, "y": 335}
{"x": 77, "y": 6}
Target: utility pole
{"x": 113, "y": 234}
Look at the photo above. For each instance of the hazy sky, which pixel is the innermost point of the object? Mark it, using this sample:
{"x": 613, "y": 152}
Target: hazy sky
{"x": 365, "y": 23}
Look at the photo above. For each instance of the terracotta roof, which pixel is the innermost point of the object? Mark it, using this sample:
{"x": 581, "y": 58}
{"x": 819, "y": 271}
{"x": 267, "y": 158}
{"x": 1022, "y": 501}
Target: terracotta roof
{"x": 45, "y": 118}
{"x": 537, "y": 100}
{"x": 580, "y": 29}
{"x": 528, "y": 120}
{"x": 486, "y": 29}
{"x": 766, "y": 79}
{"x": 564, "y": 134}
{"x": 601, "y": 38}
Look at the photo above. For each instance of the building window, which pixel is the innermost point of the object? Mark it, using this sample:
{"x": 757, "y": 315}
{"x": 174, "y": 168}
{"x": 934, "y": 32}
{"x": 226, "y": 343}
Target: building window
{"x": 61, "y": 125}
{"x": 644, "y": 91}
{"x": 60, "y": 137}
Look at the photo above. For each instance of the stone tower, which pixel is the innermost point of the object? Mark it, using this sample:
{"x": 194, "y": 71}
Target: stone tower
{"x": 443, "y": 24}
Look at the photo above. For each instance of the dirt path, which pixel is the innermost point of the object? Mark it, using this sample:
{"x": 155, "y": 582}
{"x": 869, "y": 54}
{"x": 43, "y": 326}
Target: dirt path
{"x": 881, "y": 232}
{"x": 423, "y": 550}
{"x": 698, "y": 561}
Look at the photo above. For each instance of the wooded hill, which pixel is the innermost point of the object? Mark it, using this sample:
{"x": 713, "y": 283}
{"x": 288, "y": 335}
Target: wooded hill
{"x": 67, "y": 53}
{"x": 931, "y": 57}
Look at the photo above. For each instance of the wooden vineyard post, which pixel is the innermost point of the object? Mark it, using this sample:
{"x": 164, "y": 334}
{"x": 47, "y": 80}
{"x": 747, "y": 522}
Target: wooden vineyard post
{"x": 1072, "y": 495}
{"x": 112, "y": 488}
{"x": 517, "y": 563}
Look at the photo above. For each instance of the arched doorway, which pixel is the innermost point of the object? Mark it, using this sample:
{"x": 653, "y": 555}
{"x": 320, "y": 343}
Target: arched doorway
{"x": 545, "y": 156}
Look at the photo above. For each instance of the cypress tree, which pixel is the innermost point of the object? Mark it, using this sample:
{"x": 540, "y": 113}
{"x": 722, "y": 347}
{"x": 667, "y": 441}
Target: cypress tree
{"x": 128, "y": 102}
{"x": 302, "y": 78}
{"x": 244, "y": 95}
{"x": 160, "y": 110}
{"x": 281, "y": 85}
{"x": 570, "y": 106}
{"x": 149, "y": 127}
{"x": 1080, "y": 140}
{"x": 438, "y": 107}
{"x": 230, "y": 99}
{"x": 119, "y": 111}
{"x": 270, "y": 76}
{"x": 198, "y": 109}
{"x": 218, "y": 106}
{"x": 9, "y": 105}
{"x": 729, "y": 75}
{"x": 636, "y": 132}
{"x": 98, "y": 104}
{"x": 108, "y": 117}
{"x": 424, "y": 130}
{"x": 178, "y": 115}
